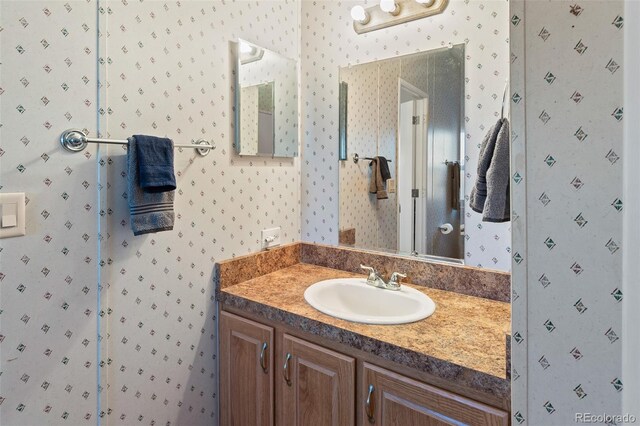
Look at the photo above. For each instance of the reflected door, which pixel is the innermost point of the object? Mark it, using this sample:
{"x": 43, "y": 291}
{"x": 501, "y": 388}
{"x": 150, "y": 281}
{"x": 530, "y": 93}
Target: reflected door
{"x": 412, "y": 168}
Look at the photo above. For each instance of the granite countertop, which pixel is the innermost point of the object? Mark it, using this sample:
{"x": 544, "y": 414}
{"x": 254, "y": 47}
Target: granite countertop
{"x": 462, "y": 342}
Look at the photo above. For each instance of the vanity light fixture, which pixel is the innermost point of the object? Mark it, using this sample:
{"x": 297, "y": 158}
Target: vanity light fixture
{"x": 359, "y": 15}
{"x": 394, "y": 12}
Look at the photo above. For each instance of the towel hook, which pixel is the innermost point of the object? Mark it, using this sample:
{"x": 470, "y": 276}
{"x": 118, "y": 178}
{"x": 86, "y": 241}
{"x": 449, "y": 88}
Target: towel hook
{"x": 504, "y": 98}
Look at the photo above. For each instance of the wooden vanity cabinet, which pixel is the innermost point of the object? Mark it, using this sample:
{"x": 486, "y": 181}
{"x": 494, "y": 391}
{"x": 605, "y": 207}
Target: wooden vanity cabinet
{"x": 390, "y": 399}
{"x": 246, "y": 372}
{"x": 316, "y": 386}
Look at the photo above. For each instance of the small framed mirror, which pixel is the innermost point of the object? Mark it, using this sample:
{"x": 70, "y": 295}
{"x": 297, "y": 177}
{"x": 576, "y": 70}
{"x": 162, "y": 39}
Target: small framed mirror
{"x": 266, "y": 102}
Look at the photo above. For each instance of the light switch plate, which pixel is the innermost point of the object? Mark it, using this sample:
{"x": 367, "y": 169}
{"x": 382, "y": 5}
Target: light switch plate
{"x": 9, "y": 215}
{"x": 270, "y": 237}
{"x": 391, "y": 186}
{"x": 14, "y": 212}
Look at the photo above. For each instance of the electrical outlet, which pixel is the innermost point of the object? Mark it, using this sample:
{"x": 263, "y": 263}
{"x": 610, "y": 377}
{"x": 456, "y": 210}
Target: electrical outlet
{"x": 270, "y": 237}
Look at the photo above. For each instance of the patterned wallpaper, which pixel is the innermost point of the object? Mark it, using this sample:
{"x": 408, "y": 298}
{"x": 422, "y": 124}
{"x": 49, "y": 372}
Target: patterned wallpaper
{"x": 168, "y": 74}
{"x": 162, "y": 329}
{"x": 249, "y": 110}
{"x": 329, "y": 43}
{"x": 48, "y": 311}
{"x": 387, "y": 210}
{"x": 358, "y": 209}
{"x": 567, "y": 209}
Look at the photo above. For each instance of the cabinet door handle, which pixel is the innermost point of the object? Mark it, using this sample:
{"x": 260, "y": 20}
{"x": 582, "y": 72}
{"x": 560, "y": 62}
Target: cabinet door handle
{"x": 369, "y": 405}
{"x": 285, "y": 372}
{"x": 263, "y": 361}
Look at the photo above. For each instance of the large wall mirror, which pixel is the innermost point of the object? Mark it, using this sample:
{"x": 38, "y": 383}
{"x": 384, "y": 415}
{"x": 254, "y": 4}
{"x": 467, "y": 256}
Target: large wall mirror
{"x": 403, "y": 160}
{"x": 266, "y": 102}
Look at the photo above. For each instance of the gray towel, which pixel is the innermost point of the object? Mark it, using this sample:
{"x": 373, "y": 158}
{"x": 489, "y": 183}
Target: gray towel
{"x": 149, "y": 211}
{"x": 453, "y": 169}
{"x": 384, "y": 168}
{"x": 490, "y": 195}
{"x": 377, "y": 185}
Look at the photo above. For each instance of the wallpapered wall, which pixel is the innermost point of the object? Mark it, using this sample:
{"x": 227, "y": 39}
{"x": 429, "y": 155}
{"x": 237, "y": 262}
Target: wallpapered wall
{"x": 387, "y": 211}
{"x": 371, "y": 123}
{"x": 249, "y": 113}
{"x": 329, "y": 42}
{"x": 168, "y": 74}
{"x": 358, "y": 209}
{"x": 48, "y": 277}
{"x": 567, "y": 209}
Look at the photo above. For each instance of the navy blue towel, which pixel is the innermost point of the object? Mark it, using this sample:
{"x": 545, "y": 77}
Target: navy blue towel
{"x": 155, "y": 163}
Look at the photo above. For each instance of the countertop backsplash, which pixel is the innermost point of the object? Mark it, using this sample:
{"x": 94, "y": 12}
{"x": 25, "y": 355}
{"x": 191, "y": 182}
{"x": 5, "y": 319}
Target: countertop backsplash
{"x": 495, "y": 285}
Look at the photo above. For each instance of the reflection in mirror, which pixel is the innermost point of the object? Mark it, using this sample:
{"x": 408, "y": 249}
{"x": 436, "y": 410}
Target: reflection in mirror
{"x": 342, "y": 120}
{"x": 407, "y": 114}
{"x": 256, "y": 118}
{"x": 266, "y": 103}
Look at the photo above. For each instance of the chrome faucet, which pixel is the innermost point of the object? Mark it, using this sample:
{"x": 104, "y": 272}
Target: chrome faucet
{"x": 375, "y": 280}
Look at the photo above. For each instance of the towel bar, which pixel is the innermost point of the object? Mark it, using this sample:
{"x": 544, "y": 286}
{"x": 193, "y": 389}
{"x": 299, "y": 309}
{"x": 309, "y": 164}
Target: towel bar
{"x": 76, "y": 140}
{"x": 357, "y": 158}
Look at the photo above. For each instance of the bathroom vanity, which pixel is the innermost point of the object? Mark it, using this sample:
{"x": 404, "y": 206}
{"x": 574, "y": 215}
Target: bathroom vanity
{"x": 283, "y": 362}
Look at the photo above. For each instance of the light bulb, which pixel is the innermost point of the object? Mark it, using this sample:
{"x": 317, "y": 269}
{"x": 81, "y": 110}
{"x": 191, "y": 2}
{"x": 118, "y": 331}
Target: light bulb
{"x": 245, "y": 47}
{"x": 389, "y": 6}
{"x": 360, "y": 15}
{"x": 426, "y": 3}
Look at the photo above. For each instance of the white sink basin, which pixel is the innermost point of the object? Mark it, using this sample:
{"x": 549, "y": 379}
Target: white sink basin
{"x": 353, "y": 299}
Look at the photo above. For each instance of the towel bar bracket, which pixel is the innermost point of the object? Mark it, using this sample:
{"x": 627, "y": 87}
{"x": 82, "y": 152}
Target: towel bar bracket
{"x": 73, "y": 140}
{"x": 76, "y": 140}
{"x": 203, "y": 152}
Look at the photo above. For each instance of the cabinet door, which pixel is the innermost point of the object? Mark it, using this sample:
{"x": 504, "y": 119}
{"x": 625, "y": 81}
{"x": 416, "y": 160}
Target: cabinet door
{"x": 246, "y": 372}
{"x": 389, "y": 399}
{"x": 317, "y": 385}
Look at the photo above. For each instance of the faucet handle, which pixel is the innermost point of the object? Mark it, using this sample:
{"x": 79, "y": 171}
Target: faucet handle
{"x": 395, "y": 279}
{"x": 372, "y": 272}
